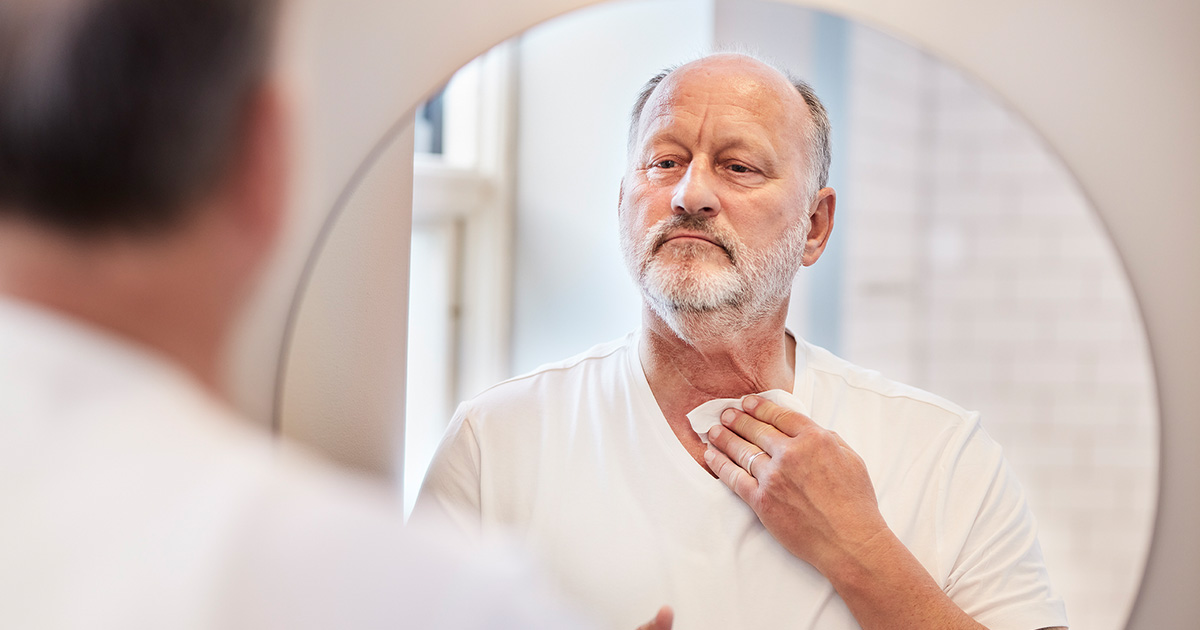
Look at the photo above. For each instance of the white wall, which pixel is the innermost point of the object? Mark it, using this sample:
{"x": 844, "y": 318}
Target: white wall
{"x": 977, "y": 269}
{"x": 351, "y": 405}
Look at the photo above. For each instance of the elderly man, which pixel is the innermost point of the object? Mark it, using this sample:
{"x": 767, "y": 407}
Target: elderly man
{"x": 142, "y": 165}
{"x": 905, "y": 517}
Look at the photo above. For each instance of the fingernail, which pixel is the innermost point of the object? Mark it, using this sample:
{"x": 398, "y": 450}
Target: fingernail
{"x": 750, "y": 403}
{"x": 714, "y": 432}
{"x": 729, "y": 415}
{"x": 709, "y": 455}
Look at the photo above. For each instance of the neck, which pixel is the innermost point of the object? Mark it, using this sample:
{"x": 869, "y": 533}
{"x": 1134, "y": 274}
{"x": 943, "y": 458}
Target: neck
{"x": 144, "y": 291}
{"x": 706, "y": 361}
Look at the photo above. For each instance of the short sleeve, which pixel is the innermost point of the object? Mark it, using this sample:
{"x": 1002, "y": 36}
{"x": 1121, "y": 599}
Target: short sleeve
{"x": 451, "y": 490}
{"x": 997, "y": 572}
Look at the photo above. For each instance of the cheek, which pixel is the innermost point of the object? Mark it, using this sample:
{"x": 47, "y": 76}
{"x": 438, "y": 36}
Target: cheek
{"x": 760, "y": 221}
{"x": 645, "y": 205}
{"x": 773, "y": 213}
{"x": 631, "y": 223}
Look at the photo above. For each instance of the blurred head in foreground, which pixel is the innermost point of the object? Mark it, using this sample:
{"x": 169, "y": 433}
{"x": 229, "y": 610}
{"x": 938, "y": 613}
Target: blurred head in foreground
{"x": 142, "y": 168}
{"x": 141, "y": 163}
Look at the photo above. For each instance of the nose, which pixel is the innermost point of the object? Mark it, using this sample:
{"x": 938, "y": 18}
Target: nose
{"x": 696, "y": 192}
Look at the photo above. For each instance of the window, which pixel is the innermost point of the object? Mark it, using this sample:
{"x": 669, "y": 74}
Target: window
{"x": 459, "y": 296}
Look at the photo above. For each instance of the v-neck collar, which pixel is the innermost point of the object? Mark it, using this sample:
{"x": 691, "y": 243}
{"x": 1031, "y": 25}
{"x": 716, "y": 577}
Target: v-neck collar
{"x": 672, "y": 449}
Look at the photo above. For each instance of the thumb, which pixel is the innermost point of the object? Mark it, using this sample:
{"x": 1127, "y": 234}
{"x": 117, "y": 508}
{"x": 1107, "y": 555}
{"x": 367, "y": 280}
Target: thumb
{"x": 662, "y": 621}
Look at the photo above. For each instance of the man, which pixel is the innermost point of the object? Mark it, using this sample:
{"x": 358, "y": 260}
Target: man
{"x": 142, "y": 171}
{"x": 906, "y": 517}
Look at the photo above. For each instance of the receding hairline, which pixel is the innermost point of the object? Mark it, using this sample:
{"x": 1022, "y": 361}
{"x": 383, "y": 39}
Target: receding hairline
{"x": 763, "y": 80}
{"x": 816, "y": 127}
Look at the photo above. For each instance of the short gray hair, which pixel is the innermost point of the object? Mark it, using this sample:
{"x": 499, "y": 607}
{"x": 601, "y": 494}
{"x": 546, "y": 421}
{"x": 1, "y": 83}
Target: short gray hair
{"x": 817, "y": 135}
{"x": 116, "y": 115}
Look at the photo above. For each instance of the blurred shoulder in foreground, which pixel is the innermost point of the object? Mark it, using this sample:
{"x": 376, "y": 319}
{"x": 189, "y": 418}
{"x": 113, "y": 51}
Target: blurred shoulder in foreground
{"x": 143, "y": 164}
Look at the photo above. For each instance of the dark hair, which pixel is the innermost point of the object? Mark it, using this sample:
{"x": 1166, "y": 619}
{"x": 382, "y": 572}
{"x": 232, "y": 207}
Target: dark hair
{"x": 115, "y": 114}
{"x": 820, "y": 152}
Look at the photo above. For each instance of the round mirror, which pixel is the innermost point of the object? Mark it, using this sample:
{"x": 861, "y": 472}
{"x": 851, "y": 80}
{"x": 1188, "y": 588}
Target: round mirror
{"x": 965, "y": 260}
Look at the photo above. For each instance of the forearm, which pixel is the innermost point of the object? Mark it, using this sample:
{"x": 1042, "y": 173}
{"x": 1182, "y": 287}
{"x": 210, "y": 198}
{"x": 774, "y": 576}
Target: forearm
{"x": 884, "y": 586}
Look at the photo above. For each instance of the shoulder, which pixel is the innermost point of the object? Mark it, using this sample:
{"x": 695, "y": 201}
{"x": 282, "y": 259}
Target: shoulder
{"x": 563, "y": 379}
{"x": 833, "y": 375}
{"x": 313, "y": 525}
{"x": 886, "y": 418}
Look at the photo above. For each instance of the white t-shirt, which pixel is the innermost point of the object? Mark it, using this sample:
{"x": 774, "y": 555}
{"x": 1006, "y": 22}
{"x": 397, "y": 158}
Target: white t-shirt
{"x": 131, "y": 499}
{"x": 577, "y": 460}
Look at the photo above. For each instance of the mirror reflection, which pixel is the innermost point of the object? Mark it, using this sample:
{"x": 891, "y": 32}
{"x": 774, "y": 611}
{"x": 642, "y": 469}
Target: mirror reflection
{"x": 965, "y": 260}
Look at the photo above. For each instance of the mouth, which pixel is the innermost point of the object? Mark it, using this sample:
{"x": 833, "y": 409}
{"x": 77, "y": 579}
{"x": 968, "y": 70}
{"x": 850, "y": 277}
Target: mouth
{"x": 688, "y": 232}
{"x": 686, "y": 237}
{"x": 689, "y": 236}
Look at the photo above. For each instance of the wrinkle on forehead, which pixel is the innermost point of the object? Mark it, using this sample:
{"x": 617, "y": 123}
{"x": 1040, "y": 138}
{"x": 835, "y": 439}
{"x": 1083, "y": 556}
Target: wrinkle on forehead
{"x": 733, "y": 83}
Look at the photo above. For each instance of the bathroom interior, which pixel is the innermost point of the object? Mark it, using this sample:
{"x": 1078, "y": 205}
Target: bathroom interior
{"x": 973, "y": 255}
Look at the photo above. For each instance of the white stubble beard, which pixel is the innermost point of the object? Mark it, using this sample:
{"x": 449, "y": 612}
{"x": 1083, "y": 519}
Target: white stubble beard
{"x": 698, "y": 302}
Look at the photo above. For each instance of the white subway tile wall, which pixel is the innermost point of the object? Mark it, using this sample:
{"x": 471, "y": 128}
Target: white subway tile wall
{"x": 976, "y": 269}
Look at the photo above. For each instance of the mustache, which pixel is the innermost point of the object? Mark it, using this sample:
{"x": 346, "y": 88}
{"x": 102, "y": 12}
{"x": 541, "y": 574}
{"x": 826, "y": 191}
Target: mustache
{"x": 693, "y": 223}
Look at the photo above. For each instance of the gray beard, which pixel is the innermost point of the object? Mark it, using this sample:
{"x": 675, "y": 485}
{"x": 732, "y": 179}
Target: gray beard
{"x": 700, "y": 328}
{"x": 701, "y": 305}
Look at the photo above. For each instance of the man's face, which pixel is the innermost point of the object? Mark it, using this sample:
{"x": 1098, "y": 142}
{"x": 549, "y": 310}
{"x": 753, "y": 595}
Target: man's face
{"x": 714, "y": 205}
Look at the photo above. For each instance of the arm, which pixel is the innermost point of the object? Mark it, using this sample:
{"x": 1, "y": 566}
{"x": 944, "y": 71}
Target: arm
{"x": 813, "y": 493}
{"x": 451, "y": 489}
{"x": 451, "y": 493}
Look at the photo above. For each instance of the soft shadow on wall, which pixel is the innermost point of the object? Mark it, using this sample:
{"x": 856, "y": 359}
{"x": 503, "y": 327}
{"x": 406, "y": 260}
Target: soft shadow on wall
{"x": 965, "y": 259}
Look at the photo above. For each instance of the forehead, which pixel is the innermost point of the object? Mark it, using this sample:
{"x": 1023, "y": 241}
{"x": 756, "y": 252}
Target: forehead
{"x": 726, "y": 97}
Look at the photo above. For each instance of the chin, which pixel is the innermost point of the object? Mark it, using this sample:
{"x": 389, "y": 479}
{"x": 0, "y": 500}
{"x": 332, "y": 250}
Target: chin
{"x": 693, "y": 288}
{"x": 703, "y": 326}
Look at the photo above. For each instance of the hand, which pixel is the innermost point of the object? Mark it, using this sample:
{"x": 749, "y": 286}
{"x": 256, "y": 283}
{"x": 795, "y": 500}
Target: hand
{"x": 809, "y": 489}
{"x": 661, "y": 621}
{"x": 813, "y": 493}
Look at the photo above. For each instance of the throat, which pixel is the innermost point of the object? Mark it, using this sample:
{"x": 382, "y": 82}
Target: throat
{"x": 682, "y": 377}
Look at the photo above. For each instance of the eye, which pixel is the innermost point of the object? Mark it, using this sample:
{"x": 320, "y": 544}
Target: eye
{"x": 665, "y": 164}
{"x": 739, "y": 168}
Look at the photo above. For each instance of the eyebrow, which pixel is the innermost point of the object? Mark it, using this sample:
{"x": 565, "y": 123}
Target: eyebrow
{"x": 764, "y": 154}
{"x": 740, "y": 142}
{"x": 665, "y": 136}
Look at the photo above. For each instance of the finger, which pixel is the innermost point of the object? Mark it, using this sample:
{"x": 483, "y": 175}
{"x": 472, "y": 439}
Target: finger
{"x": 732, "y": 475}
{"x": 786, "y": 420}
{"x": 765, "y": 436}
{"x": 662, "y": 620}
{"x": 733, "y": 446}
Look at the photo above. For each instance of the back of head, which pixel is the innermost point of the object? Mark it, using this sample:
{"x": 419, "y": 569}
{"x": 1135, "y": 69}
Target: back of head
{"x": 116, "y": 115}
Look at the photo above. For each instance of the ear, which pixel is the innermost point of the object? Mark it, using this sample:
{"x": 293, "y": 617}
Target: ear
{"x": 820, "y": 214}
{"x": 258, "y": 183}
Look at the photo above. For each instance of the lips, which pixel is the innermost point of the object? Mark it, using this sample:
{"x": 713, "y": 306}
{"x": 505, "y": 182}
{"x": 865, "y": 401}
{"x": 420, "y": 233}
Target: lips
{"x": 690, "y": 236}
{"x": 698, "y": 237}
{"x": 686, "y": 227}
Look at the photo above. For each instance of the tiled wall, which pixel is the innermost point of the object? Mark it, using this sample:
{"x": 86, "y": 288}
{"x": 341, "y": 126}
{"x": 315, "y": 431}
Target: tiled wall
{"x": 976, "y": 269}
